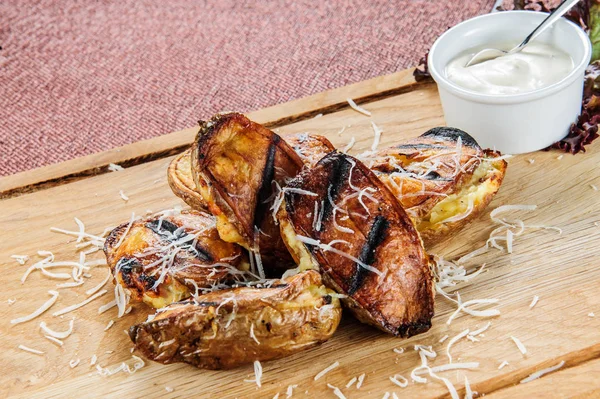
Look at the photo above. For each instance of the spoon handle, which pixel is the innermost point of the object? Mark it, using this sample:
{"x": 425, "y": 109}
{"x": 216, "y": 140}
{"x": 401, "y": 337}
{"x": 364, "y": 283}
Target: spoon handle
{"x": 558, "y": 12}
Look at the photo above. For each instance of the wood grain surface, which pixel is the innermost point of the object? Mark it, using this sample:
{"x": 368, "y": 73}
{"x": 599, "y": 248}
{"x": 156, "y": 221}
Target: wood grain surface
{"x": 562, "y": 269}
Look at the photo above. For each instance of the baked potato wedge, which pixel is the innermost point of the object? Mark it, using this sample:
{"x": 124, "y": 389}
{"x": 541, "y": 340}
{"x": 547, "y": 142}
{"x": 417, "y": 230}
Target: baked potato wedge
{"x": 164, "y": 259}
{"x": 309, "y": 147}
{"x": 442, "y": 178}
{"x": 228, "y": 328}
{"x": 363, "y": 242}
{"x": 239, "y": 167}
{"x": 181, "y": 181}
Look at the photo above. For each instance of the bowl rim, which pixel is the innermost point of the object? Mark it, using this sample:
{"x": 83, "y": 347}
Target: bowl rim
{"x": 441, "y": 79}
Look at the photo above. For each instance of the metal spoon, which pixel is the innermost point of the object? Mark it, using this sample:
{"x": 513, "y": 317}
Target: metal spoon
{"x": 491, "y": 53}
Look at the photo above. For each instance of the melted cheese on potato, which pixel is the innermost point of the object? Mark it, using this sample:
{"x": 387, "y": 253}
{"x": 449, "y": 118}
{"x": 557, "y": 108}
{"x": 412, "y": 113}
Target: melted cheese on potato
{"x": 475, "y": 191}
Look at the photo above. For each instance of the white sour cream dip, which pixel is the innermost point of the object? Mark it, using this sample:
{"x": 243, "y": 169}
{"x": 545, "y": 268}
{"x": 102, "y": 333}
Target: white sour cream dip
{"x": 537, "y": 66}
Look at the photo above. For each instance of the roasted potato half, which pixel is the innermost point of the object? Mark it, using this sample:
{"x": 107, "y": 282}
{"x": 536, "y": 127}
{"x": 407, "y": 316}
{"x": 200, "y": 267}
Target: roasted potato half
{"x": 164, "y": 259}
{"x": 442, "y": 178}
{"x": 228, "y": 328}
{"x": 309, "y": 147}
{"x": 181, "y": 181}
{"x": 339, "y": 217}
{"x": 239, "y": 167}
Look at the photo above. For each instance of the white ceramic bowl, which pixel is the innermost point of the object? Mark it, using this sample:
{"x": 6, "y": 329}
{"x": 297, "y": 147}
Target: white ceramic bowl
{"x": 513, "y": 123}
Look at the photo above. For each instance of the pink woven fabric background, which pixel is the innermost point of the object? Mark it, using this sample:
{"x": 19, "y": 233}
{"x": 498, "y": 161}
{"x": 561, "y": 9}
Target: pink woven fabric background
{"x": 82, "y": 77}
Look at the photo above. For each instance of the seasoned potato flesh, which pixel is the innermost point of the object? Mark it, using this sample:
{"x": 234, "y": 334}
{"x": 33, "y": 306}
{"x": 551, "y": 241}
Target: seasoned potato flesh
{"x": 162, "y": 259}
{"x": 228, "y": 328}
{"x": 238, "y": 167}
{"x": 435, "y": 175}
{"x": 364, "y": 243}
{"x": 309, "y": 147}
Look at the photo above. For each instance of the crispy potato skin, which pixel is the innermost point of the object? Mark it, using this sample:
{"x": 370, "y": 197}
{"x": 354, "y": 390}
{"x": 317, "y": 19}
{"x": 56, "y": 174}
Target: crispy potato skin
{"x": 309, "y": 147}
{"x": 293, "y": 315}
{"x": 374, "y": 229}
{"x": 236, "y": 164}
{"x": 421, "y": 172}
{"x": 145, "y": 243}
{"x": 181, "y": 181}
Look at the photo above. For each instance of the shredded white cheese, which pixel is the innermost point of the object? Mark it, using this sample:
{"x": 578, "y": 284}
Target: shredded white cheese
{"x": 123, "y": 196}
{"x": 377, "y": 132}
{"x": 39, "y": 311}
{"x": 58, "y": 334}
{"x": 594, "y": 187}
{"x": 97, "y": 288}
{"x": 112, "y": 167}
{"x": 540, "y": 373}
{"x": 28, "y": 349}
{"x": 357, "y": 108}
{"x": 502, "y": 365}
{"x": 78, "y": 305}
{"x": 399, "y": 380}
{"x": 138, "y": 363}
{"x": 21, "y": 259}
{"x": 468, "y": 391}
{"x": 336, "y": 391}
{"x": 349, "y": 146}
{"x": 591, "y": 314}
{"x": 290, "y": 391}
{"x": 11, "y": 301}
{"x": 399, "y": 351}
{"x": 519, "y": 344}
{"x": 453, "y": 341}
{"x": 169, "y": 389}
{"x": 74, "y": 363}
{"x": 54, "y": 340}
{"x": 107, "y": 306}
{"x": 445, "y": 337}
{"x": 361, "y": 379}
{"x": 326, "y": 370}
{"x": 93, "y": 360}
{"x": 534, "y": 301}
{"x": 109, "y": 325}
{"x": 258, "y": 371}
{"x": 351, "y": 382}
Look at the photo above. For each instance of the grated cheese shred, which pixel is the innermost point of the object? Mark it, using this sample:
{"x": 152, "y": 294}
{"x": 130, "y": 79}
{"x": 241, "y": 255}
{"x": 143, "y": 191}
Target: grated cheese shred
{"x": 39, "y": 311}
{"x": 355, "y": 107}
{"x": 326, "y": 370}
{"x": 519, "y": 344}
{"x": 542, "y": 372}
{"x": 78, "y": 305}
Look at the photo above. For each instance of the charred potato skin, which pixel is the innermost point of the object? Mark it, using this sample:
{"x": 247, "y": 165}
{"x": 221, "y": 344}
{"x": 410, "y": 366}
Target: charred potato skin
{"x": 179, "y": 176}
{"x": 127, "y": 263}
{"x": 400, "y": 303}
{"x": 309, "y": 147}
{"x": 234, "y": 164}
{"x": 439, "y": 143}
{"x": 198, "y": 333}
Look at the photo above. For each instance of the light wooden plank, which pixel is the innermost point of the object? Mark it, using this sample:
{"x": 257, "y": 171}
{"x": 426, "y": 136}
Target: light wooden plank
{"x": 169, "y": 144}
{"x": 560, "y": 269}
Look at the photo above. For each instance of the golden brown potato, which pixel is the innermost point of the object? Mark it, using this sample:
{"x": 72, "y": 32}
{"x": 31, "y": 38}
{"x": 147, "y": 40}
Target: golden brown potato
{"x": 182, "y": 183}
{"x": 238, "y": 167}
{"x": 340, "y": 218}
{"x": 228, "y": 328}
{"x": 309, "y": 147}
{"x": 442, "y": 178}
{"x": 161, "y": 260}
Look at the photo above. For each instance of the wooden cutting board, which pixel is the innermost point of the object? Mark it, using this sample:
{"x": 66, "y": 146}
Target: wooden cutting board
{"x": 562, "y": 269}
